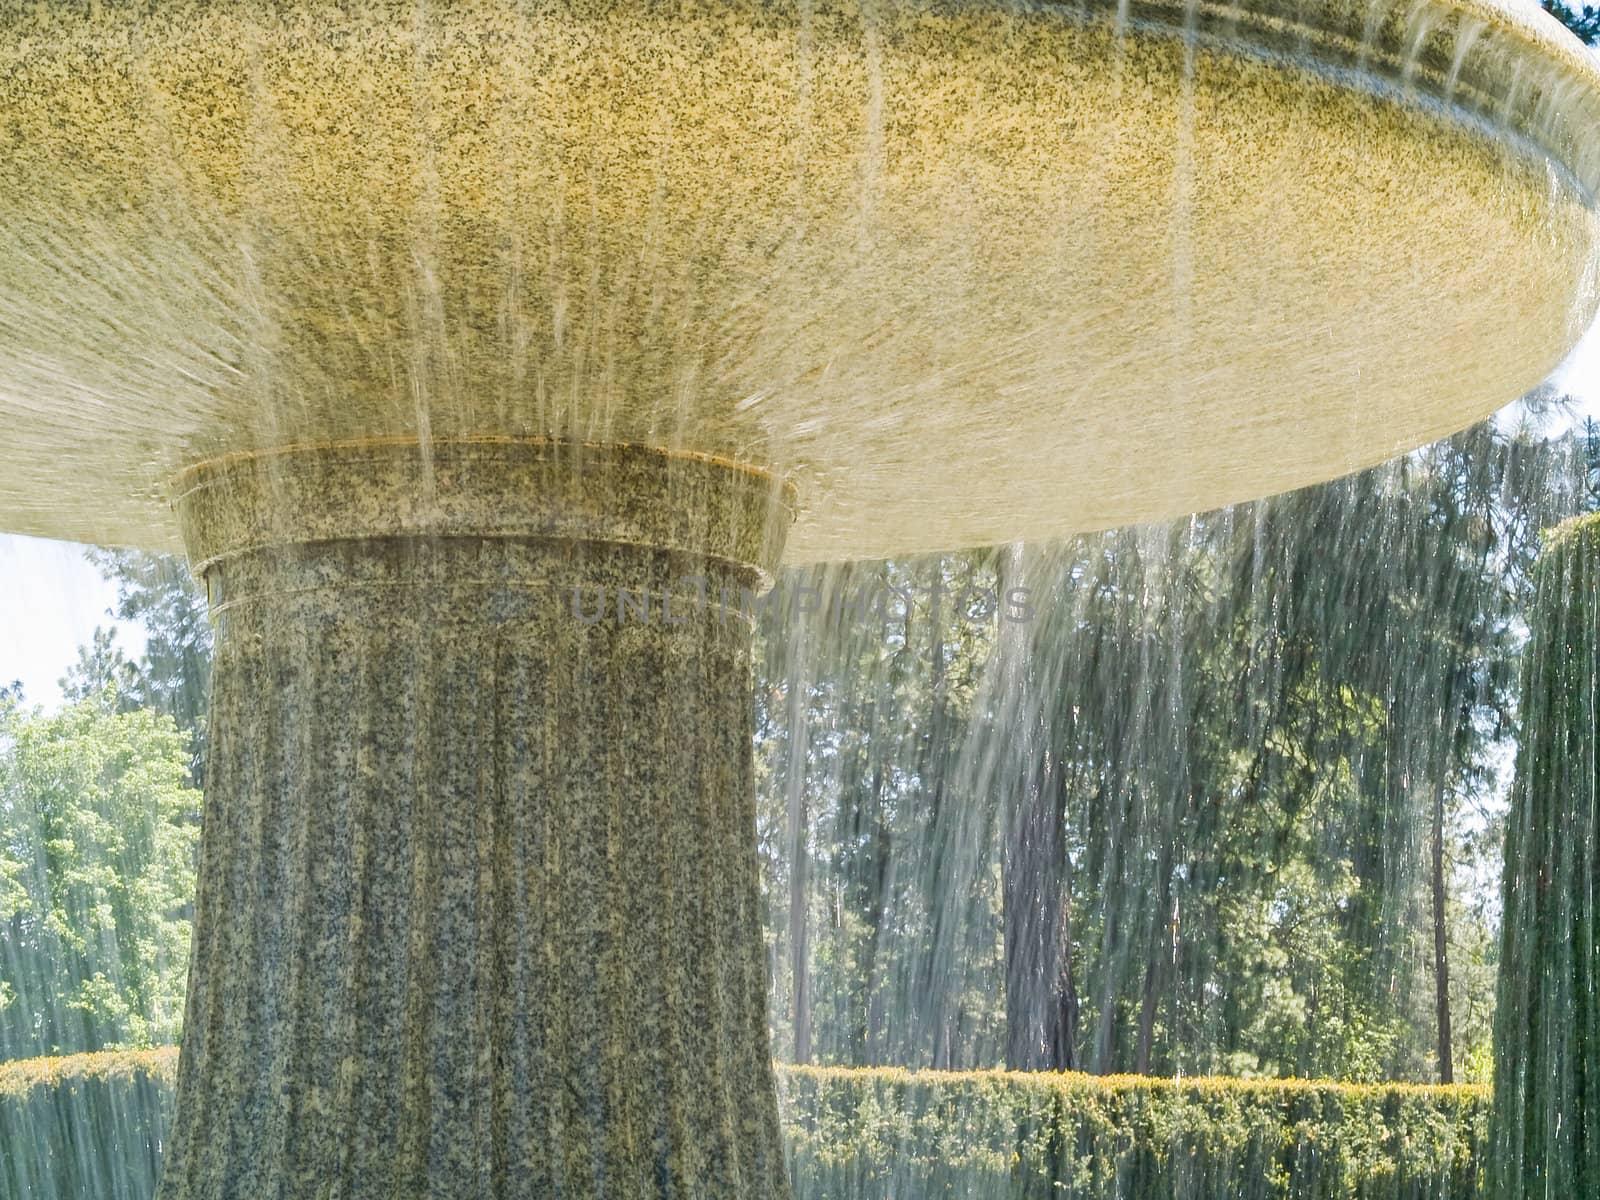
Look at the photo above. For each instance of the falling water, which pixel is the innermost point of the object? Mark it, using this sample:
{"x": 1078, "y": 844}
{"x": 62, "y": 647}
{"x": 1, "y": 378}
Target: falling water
{"x": 1150, "y": 801}
{"x": 1208, "y": 755}
{"x": 1160, "y": 800}
{"x": 844, "y": 243}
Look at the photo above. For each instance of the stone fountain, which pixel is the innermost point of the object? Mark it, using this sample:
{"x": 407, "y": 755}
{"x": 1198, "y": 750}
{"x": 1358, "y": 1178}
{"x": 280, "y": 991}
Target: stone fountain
{"x": 414, "y": 324}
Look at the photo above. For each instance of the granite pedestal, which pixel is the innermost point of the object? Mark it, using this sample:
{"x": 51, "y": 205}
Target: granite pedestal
{"x": 478, "y": 909}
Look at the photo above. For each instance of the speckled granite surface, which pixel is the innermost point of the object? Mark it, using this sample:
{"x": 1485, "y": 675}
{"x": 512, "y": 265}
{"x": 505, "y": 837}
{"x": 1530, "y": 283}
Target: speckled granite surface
{"x": 478, "y": 898}
{"x": 966, "y": 271}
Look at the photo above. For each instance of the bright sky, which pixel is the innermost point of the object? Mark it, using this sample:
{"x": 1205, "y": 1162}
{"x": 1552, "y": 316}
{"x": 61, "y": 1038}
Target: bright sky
{"x": 1579, "y": 376}
{"x": 51, "y": 599}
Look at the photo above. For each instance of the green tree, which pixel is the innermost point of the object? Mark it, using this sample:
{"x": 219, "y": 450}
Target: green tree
{"x": 1545, "y": 1127}
{"x": 97, "y": 841}
{"x": 101, "y": 665}
{"x": 1279, "y": 714}
{"x": 174, "y": 673}
{"x": 1584, "y": 21}
{"x": 1224, "y": 804}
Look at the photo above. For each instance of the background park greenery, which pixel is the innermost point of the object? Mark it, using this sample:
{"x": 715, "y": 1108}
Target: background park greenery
{"x": 1225, "y": 805}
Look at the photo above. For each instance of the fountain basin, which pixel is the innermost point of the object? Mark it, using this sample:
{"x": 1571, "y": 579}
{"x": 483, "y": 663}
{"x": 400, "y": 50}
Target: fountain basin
{"x": 963, "y": 272}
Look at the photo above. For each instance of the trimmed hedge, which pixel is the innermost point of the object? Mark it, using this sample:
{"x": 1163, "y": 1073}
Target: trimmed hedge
{"x": 1024, "y": 1136}
{"x": 85, "y": 1127}
{"x": 92, "y": 1126}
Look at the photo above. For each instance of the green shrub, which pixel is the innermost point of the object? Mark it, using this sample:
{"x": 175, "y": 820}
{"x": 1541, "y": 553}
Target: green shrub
{"x": 85, "y": 1127}
{"x": 92, "y": 1126}
{"x": 887, "y": 1133}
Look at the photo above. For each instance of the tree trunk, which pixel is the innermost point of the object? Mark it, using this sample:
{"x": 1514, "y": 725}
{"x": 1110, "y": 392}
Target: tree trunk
{"x": 1441, "y": 965}
{"x": 799, "y": 864}
{"x": 870, "y": 1035}
{"x": 1160, "y": 948}
{"x": 1064, "y": 1019}
{"x": 1041, "y": 1001}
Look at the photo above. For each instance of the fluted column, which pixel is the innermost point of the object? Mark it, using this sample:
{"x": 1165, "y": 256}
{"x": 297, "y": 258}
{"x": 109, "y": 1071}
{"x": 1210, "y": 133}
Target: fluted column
{"x": 478, "y": 910}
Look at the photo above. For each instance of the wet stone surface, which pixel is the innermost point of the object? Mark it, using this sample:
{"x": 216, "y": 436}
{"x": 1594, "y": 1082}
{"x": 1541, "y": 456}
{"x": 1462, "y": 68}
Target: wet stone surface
{"x": 478, "y": 900}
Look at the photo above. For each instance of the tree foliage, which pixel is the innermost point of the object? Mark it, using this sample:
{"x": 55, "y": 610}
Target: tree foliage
{"x": 1182, "y": 820}
{"x": 97, "y": 833}
{"x": 1546, "y": 1128}
{"x": 173, "y": 675}
{"x": 1582, "y": 20}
